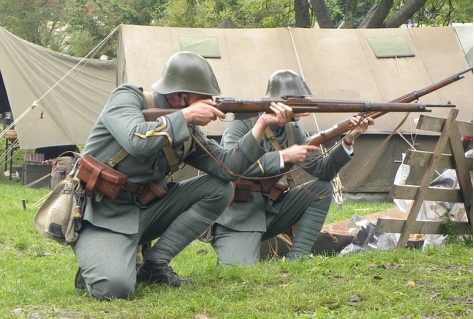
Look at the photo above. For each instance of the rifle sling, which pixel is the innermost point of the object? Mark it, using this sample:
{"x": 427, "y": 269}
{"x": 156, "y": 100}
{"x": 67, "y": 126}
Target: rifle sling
{"x": 272, "y": 138}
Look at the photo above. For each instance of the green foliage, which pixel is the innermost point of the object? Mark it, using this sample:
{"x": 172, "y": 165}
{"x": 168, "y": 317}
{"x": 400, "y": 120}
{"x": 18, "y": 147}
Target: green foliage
{"x": 210, "y": 14}
{"x": 92, "y": 21}
{"x": 37, "y": 21}
{"x": 443, "y": 13}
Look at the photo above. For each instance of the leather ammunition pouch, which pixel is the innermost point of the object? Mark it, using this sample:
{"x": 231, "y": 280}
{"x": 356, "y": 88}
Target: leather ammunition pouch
{"x": 277, "y": 190}
{"x": 100, "y": 177}
{"x": 243, "y": 188}
{"x": 153, "y": 191}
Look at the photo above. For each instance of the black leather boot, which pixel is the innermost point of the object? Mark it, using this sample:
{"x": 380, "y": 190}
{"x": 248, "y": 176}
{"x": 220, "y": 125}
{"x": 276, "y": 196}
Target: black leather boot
{"x": 160, "y": 273}
{"x": 79, "y": 282}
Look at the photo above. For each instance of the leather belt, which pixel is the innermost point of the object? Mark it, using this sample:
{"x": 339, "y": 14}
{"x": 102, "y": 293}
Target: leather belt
{"x": 256, "y": 187}
{"x": 133, "y": 188}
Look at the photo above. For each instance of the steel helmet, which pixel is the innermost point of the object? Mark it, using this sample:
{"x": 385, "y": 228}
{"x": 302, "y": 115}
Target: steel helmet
{"x": 187, "y": 72}
{"x": 287, "y": 83}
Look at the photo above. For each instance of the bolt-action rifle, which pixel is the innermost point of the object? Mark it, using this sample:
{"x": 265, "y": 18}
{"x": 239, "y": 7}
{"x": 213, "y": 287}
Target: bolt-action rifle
{"x": 302, "y": 105}
{"x": 345, "y": 126}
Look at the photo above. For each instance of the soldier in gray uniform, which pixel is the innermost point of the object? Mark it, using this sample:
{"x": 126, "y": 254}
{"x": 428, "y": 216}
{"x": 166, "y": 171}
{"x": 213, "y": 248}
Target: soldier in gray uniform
{"x": 113, "y": 228}
{"x": 239, "y": 231}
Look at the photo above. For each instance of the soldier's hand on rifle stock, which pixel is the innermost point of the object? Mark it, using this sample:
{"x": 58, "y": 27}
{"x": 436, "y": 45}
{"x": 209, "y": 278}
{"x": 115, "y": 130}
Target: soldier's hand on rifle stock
{"x": 359, "y": 126}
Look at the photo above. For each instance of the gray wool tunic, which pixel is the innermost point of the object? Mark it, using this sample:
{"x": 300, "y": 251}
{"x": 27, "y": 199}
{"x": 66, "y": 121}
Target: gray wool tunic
{"x": 251, "y": 215}
{"x": 117, "y": 127}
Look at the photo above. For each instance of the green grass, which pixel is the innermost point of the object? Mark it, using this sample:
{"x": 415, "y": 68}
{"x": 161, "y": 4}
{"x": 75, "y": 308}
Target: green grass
{"x": 37, "y": 279}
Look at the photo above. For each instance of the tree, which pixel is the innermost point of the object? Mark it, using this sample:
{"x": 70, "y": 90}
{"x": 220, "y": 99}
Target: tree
{"x": 390, "y": 13}
{"x": 37, "y": 21}
{"x": 91, "y": 21}
{"x": 211, "y": 13}
{"x": 77, "y": 26}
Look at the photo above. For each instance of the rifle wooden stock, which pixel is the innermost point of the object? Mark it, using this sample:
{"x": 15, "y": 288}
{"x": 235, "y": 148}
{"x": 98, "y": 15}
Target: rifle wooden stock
{"x": 346, "y": 125}
{"x": 302, "y": 105}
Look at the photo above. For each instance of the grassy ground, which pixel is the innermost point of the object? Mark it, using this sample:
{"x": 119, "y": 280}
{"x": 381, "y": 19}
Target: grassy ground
{"x": 37, "y": 279}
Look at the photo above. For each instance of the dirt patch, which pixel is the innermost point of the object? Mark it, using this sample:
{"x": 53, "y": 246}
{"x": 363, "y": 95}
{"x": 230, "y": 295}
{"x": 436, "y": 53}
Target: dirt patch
{"x": 342, "y": 227}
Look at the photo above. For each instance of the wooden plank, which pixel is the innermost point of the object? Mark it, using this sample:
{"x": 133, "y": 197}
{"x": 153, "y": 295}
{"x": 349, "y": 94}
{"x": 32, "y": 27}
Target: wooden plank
{"x": 430, "y": 123}
{"x": 462, "y": 169}
{"x": 385, "y": 225}
{"x": 436, "y": 124}
{"x": 465, "y": 128}
{"x": 435, "y": 194}
{"x": 426, "y": 180}
{"x": 422, "y": 158}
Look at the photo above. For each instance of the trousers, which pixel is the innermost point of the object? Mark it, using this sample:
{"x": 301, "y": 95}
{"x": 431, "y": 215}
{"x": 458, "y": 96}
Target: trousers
{"x": 243, "y": 247}
{"x": 107, "y": 258}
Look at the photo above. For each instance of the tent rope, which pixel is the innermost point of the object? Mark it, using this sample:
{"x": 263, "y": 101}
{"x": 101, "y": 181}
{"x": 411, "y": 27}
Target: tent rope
{"x": 403, "y": 137}
{"x": 413, "y": 135}
{"x": 336, "y": 182}
{"x": 296, "y": 53}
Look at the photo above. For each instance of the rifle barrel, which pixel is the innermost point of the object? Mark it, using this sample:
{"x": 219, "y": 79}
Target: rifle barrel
{"x": 255, "y": 106}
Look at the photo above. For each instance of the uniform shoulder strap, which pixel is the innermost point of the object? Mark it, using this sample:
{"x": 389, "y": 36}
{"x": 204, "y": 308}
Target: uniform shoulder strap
{"x": 149, "y": 99}
{"x": 290, "y": 129}
{"x": 173, "y": 162}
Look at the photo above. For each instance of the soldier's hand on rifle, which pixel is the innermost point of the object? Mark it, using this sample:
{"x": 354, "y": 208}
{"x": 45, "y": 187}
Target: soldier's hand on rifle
{"x": 297, "y": 153}
{"x": 201, "y": 112}
{"x": 359, "y": 126}
{"x": 281, "y": 115}
{"x": 297, "y": 116}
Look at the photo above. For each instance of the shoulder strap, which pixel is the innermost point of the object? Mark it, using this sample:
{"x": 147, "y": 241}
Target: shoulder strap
{"x": 149, "y": 99}
{"x": 187, "y": 147}
{"x": 173, "y": 162}
{"x": 290, "y": 129}
{"x": 117, "y": 158}
{"x": 272, "y": 138}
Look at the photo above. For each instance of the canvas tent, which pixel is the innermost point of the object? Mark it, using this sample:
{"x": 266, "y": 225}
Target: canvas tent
{"x": 336, "y": 64}
{"x": 69, "y": 96}
{"x": 464, "y": 33}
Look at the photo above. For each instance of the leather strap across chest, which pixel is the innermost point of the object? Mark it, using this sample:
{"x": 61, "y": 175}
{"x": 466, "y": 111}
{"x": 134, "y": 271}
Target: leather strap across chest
{"x": 173, "y": 162}
{"x": 272, "y": 138}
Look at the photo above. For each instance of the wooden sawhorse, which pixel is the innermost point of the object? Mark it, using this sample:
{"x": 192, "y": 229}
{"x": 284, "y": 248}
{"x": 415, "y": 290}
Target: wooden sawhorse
{"x": 451, "y": 131}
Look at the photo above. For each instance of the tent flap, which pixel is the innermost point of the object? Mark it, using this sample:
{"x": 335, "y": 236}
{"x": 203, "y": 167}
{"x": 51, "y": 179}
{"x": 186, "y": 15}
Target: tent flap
{"x": 56, "y": 99}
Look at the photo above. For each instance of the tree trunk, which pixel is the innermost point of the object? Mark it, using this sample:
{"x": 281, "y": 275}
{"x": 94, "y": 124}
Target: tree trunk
{"x": 322, "y": 14}
{"x": 349, "y": 14}
{"x": 302, "y": 14}
{"x": 406, "y": 12}
{"x": 379, "y": 15}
